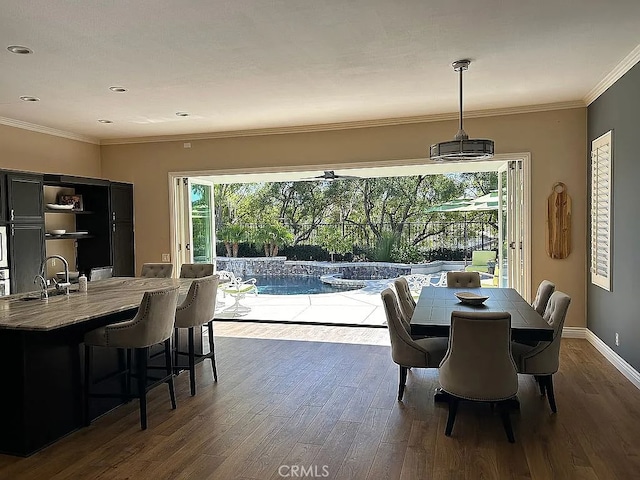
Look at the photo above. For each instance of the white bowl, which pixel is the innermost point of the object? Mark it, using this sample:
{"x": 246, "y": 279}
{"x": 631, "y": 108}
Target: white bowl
{"x": 56, "y": 206}
{"x": 58, "y": 232}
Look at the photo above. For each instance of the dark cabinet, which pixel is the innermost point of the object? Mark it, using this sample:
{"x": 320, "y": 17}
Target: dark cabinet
{"x": 24, "y": 198}
{"x": 3, "y": 198}
{"x": 122, "y": 233}
{"x": 26, "y": 252}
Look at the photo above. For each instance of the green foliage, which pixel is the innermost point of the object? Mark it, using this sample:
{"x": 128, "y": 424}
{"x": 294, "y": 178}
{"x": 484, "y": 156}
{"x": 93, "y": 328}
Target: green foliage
{"x": 306, "y": 252}
{"x": 405, "y": 253}
{"x": 333, "y": 240}
{"x": 384, "y": 247}
{"x": 272, "y": 236}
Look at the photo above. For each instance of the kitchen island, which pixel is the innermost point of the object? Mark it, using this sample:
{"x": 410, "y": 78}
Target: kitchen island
{"x": 41, "y": 355}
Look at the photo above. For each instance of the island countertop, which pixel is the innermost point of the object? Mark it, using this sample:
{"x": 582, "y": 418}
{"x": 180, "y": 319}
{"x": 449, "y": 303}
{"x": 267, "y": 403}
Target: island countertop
{"x": 102, "y": 298}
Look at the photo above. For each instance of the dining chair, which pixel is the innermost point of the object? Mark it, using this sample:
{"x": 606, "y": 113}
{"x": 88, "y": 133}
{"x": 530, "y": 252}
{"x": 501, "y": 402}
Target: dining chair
{"x": 196, "y": 270}
{"x": 152, "y": 324}
{"x": 463, "y": 279}
{"x": 545, "y": 289}
{"x": 196, "y": 310}
{"x": 100, "y": 273}
{"x": 478, "y": 365}
{"x": 157, "y": 270}
{"x": 543, "y": 359}
{"x": 405, "y": 351}
{"x": 405, "y": 299}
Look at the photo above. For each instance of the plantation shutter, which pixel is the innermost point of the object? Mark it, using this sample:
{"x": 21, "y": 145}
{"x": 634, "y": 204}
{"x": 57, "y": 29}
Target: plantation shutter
{"x": 601, "y": 193}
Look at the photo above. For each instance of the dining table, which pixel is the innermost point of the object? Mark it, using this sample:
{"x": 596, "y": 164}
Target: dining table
{"x": 432, "y": 315}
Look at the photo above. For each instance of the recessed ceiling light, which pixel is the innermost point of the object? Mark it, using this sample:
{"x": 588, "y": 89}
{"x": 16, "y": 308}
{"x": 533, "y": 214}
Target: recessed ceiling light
{"x": 102, "y": 120}
{"x": 19, "y": 49}
{"x": 118, "y": 89}
{"x": 182, "y": 114}
{"x": 26, "y": 98}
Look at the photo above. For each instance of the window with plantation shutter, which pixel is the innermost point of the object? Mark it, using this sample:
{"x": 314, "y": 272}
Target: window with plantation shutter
{"x": 601, "y": 193}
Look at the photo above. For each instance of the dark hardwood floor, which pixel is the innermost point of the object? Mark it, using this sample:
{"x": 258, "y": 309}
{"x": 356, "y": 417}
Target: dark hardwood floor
{"x": 331, "y": 409}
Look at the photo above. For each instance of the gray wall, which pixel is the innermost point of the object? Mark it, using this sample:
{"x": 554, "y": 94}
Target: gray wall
{"x": 618, "y": 109}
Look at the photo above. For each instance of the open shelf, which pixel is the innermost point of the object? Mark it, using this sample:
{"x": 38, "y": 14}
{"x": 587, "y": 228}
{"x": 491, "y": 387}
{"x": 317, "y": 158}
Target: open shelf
{"x": 74, "y": 236}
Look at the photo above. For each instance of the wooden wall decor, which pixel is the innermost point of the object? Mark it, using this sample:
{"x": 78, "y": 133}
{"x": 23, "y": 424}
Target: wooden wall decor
{"x": 559, "y": 222}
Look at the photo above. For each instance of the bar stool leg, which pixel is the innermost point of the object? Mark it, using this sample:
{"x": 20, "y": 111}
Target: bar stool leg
{"x": 212, "y": 351}
{"x": 167, "y": 359}
{"x": 176, "y": 347}
{"x": 88, "y": 353}
{"x": 141, "y": 369}
{"x": 192, "y": 363}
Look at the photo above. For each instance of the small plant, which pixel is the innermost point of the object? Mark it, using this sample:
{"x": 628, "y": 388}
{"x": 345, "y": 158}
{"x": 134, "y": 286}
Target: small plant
{"x": 405, "y": 253}
{"x": 384, "y": 247}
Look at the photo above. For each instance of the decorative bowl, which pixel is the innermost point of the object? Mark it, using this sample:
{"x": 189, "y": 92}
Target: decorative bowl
{"x": 57, "y": 232}
{"x": 471, "y": 298}
{"x": 56, "y": 206}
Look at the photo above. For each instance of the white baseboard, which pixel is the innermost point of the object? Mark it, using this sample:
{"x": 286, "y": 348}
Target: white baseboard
{"x": 616, "y": 360}
{"x": 574, "y": 332}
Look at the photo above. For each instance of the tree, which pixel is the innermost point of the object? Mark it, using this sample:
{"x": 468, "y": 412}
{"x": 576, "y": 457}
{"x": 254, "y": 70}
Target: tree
{"x": 272, "y": 236}
{"x": 232, "y": 234}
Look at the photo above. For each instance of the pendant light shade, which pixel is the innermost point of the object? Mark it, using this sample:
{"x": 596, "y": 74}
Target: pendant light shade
{"x": 461, "y": 148}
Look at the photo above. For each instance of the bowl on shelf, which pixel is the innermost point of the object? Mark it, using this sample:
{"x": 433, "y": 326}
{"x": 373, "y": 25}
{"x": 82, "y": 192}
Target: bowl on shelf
{"x": 57, "y": 232}
{"x": 57, "y": 206}
{"x": 72, "y": 275}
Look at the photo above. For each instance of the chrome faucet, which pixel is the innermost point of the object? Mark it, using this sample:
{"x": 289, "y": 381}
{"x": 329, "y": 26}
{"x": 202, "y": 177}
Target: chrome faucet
{"x": 59, "y": 285}
{"x": 43, "y": 286}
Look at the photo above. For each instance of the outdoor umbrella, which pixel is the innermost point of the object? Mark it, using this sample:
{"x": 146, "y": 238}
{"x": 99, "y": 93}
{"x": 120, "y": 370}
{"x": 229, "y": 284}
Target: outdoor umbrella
{"x": 483, "y": 203}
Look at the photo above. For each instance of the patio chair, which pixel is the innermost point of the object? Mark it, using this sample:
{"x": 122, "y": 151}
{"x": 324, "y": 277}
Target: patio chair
{"x": 480, "y": 260}
{"x": 237, "y": 289}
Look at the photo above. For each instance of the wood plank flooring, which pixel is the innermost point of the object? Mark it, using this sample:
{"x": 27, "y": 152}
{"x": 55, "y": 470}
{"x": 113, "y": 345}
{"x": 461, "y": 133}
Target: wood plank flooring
{"x": 328, "y": 409}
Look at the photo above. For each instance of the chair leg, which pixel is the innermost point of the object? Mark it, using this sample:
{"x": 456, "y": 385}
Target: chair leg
{"x": 176, "y": 344}
{"x": 540, "y": 384}
{"x": 88, "y": 354}
{"x": 192, "y": 362}
{"x": 403, "y": 381}
{"x": 212, "y": 349}
{"x": 141, "y": 368}
{"x": 128, "y": 375}
{"x": 506, "y": 420}
{"x": 453, "y": 409}
{"x": 548, "y": 379}
{"x": 167, "y": 359}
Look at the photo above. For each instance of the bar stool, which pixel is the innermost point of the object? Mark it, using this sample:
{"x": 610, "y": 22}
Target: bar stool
{"x": 152, "y": 324}
{"x": 194, "y": 312}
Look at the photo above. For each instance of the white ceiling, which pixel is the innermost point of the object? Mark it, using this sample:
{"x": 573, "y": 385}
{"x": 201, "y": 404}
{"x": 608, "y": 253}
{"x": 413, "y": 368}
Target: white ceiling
{"x": 248, "y": 64}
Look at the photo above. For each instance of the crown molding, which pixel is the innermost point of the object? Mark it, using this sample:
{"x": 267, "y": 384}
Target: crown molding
{"x": 10, "y": 122}
{"x": 623, "y": 67}
{"x": 384, "y": 122}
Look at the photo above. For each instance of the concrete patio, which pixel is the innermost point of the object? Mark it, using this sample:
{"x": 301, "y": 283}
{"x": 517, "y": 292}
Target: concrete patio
{"x": 354, "y": 307}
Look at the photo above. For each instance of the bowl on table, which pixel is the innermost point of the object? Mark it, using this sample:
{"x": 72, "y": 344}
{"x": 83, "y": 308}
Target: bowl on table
{"x": 471, "y": 298}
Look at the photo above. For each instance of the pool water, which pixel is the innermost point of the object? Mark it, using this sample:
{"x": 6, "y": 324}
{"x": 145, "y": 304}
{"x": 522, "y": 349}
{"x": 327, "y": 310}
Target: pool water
{"x": 292, "y": 285}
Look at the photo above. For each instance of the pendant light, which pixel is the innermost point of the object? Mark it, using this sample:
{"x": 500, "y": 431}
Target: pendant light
{"x": 461, "y": 148}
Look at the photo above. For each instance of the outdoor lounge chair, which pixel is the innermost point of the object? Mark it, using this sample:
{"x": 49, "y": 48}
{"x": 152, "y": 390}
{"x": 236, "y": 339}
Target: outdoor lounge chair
{"x": 480, "y": 261}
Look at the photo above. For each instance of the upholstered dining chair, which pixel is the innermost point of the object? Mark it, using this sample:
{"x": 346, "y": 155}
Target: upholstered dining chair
{"x": 543, "y": 360}
{"x": 478, "y": 365}
{"x": 151, "y": 325}
{"x": 545, "y": 289}
{"x": 196, "y": 270}
{"x": 405, "y": 351}
{"x": 100, "y": 273}
{"x": 405, "y": 299}
{"x": 197, "y": 310}
{"x": 157, "y": 270}
{"x": 463, "y": 279}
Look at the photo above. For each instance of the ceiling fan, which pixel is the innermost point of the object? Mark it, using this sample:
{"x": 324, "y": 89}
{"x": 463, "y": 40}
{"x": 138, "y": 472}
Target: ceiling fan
{"x": 330, "y": 175}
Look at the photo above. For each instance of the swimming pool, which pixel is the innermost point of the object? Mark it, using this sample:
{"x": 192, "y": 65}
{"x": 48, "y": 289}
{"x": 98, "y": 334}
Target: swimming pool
{"x": 293, "y": 285}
